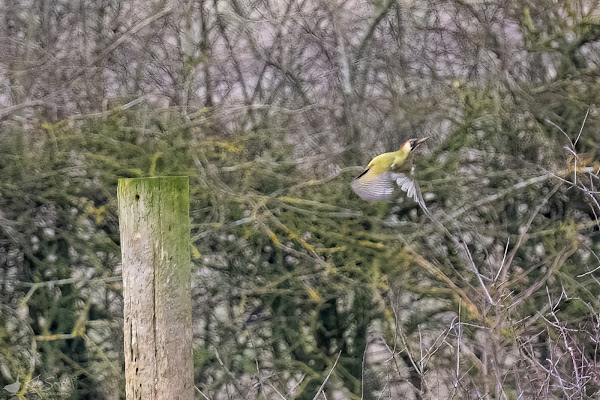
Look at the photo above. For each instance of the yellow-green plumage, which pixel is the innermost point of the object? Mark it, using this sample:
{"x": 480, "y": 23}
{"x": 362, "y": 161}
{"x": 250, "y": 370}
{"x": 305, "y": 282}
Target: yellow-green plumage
{"x": 379, "y": 179}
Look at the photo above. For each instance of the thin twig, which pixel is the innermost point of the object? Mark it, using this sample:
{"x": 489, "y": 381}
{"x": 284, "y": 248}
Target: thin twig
{"x": 502, "y": 193}
{"x": 291, "y": 391}
{"x": 523, "y": 236}
{"x": 503, "y": 260}
{"x": 328, "y": 375}
{"x": 560, "y": 129}
{"x": 362, "y": 373}
{"x": 276, "y": 391}
{"x": 589, "y": 272}
{"x": 561, "y": 257}
{"x": 200, "y": 391}
{"x": 582, "y": 125}
{"x": 233, "y": 378}
{"x": 458, "y": 342}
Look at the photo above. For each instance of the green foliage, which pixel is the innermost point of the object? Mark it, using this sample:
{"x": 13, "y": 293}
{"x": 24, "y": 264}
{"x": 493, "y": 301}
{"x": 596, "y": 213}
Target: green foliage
{"x": 292, "y": 269}
{"x": 313, "y": 264}
{"x": 62, "y": 249}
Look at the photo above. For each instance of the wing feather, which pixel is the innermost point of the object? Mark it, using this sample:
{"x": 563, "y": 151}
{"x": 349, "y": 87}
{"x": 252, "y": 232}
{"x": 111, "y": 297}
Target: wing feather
{"x": 374, "y": 187}
{"x": 409, "y": 185}
{"x": 371, "y": 186}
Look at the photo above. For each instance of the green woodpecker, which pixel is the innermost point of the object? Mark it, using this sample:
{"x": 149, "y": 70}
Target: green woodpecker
{"x": 376, "y": 182}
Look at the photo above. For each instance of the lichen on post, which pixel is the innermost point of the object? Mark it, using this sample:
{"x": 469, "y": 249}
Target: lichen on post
{"x": 155, "y": 238}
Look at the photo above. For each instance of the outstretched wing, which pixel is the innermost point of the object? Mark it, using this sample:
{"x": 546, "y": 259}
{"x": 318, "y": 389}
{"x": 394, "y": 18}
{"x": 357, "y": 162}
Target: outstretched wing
{"x": 409, "y": 185}
{"x": 370, "y": 186}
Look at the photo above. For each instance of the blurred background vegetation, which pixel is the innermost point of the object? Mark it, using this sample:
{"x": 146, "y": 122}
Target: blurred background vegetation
{"x": 272, "y": 108}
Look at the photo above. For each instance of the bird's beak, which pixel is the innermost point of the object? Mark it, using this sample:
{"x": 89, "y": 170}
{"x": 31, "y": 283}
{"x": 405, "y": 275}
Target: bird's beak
{"x": 418, "y": 142}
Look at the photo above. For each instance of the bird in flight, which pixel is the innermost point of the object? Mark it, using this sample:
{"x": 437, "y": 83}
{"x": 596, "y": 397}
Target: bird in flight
{"x": 377, "y": 181}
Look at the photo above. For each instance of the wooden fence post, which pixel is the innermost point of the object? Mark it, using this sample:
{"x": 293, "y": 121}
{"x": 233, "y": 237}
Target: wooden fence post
{"x": 155, "y": 248}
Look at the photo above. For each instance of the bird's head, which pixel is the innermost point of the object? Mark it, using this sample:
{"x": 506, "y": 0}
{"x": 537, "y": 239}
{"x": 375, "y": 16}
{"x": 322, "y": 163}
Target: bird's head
{"x": 412, "y": 144}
